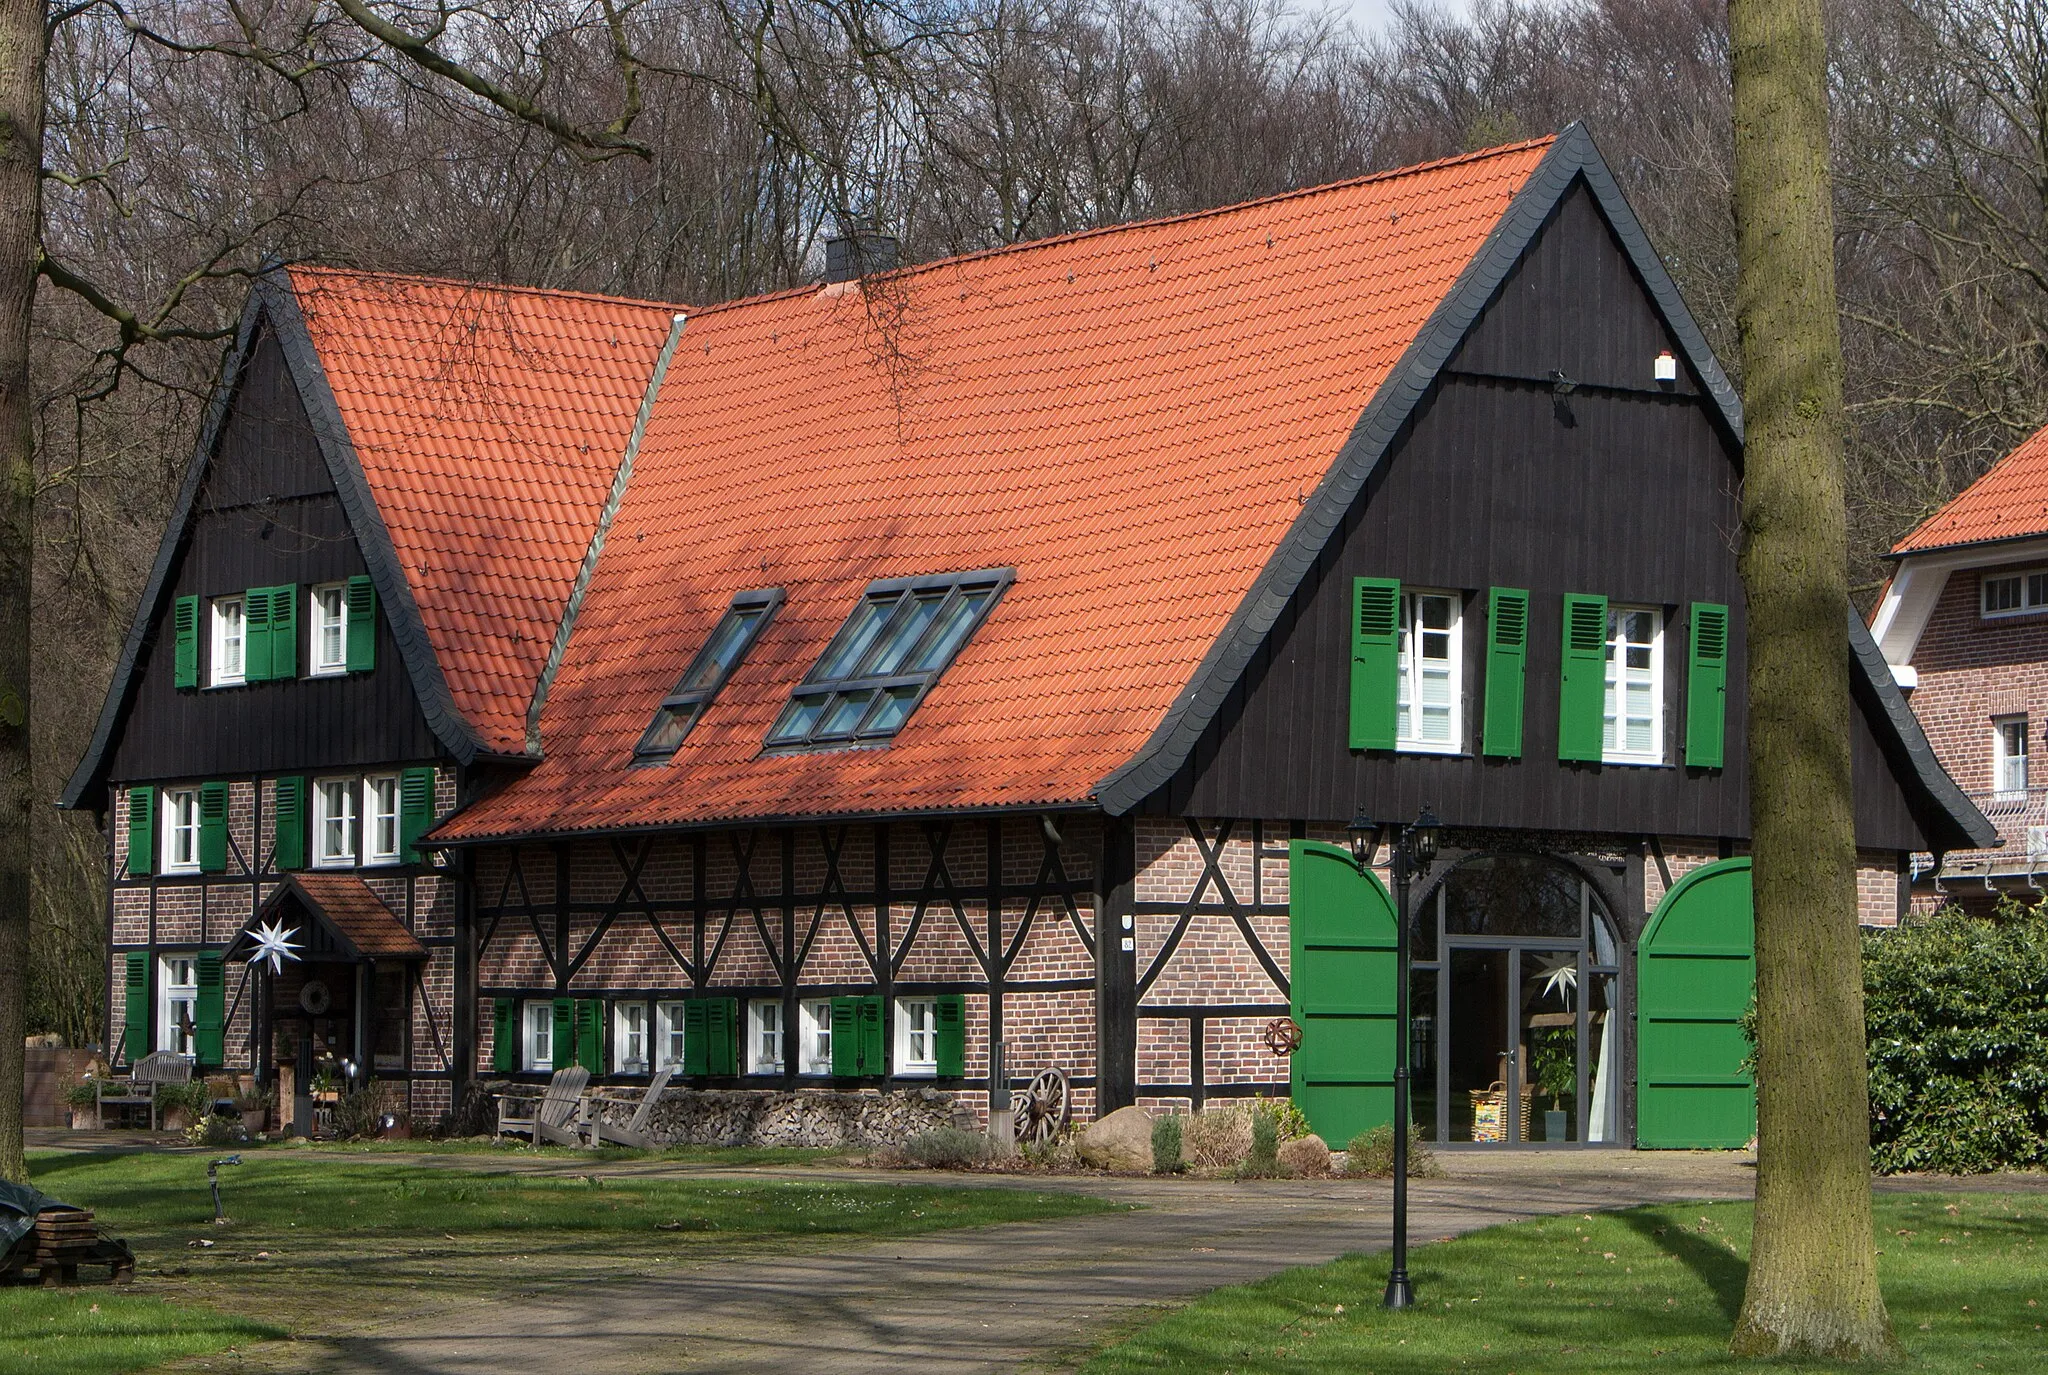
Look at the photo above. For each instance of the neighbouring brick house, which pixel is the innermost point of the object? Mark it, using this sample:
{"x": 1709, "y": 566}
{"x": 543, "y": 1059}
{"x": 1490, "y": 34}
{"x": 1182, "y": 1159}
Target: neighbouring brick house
{"x": 826, "y": 688}
{"x": 1963, "y": 623}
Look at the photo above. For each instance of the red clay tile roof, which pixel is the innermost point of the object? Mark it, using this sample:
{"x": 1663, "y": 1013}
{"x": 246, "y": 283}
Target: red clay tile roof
{"x": 1131, "y": 418}
{"x": 347, "y": 905}
{"x": 489, "y": 422}
{"x": 2008, "y": 502}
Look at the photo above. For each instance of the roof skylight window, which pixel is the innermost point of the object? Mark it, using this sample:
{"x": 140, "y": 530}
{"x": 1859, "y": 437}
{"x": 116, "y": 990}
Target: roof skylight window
{"x": 730, "y": 639}
{"x": 886, "y": 657}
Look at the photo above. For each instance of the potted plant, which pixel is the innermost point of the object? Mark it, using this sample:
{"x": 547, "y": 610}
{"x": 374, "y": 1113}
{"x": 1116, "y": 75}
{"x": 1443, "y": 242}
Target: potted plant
{"x": 254, "y": 1105}
{"x": 180, "y": 1105}
{"x": 1556, "y": 1076}
{"x": 83, "y": 1098}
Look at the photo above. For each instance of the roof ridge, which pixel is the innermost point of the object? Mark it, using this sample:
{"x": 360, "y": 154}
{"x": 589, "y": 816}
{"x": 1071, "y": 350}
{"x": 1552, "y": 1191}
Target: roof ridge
{"x": 1899, "y": 547}
{"x": 478, "y": 284}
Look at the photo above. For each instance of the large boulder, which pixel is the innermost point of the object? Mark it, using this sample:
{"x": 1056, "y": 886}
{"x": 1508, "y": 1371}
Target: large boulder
{"x": 1305, "y": 1157}
{"x": 1121, "y": 1141}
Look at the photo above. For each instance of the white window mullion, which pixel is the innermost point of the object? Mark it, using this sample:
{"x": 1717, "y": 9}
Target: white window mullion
{"x": 1428, "y": 654}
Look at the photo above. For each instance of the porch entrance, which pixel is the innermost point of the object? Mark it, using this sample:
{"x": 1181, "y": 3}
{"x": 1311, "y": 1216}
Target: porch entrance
{"x": 1516, "y": 994}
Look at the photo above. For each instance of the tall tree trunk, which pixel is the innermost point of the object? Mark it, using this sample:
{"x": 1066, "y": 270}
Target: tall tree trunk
{"x": 1813, "y": 1268}
{"x": 21, "y": 165}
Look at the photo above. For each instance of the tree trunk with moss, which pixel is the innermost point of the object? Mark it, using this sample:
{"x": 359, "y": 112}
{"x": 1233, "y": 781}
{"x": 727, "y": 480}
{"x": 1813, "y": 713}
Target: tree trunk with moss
{"x": 1813, "y": 1267}
{"x": 21, "y": 163}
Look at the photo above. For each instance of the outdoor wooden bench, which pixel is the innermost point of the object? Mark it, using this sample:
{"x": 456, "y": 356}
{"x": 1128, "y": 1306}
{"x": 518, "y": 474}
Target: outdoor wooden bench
{"x": 161, "y": 1067}
{"x": 636, "y": 1131}
{"x": 552, "y": 1114}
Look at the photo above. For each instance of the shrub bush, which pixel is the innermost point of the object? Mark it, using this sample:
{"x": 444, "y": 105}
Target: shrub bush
{"x": 357, "y": 1116}
{"x": 947, "y": 1148}
{"x": 1956, "y": 1009}
{"x": 1372, "y": 1153}
{"x": 1262, "y": 1161}
{"x": 1217, "y": 1139}
{"x": 192, "y": 1096}
{"x": 1166, "y": 1156}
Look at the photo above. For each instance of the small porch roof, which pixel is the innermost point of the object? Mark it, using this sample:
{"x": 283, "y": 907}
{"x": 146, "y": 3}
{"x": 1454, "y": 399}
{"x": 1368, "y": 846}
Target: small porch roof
{"x": 347, "y": 920}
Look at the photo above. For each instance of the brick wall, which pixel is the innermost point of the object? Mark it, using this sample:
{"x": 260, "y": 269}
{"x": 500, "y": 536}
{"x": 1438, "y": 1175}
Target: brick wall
{"x": 1972, "y": 670}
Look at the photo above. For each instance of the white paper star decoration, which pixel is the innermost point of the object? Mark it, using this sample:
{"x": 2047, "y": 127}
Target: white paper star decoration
{"x": 1559, "y": 971}
{"x": 273, "y": 943}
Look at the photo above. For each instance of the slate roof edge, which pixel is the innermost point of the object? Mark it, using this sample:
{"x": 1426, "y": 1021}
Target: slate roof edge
{"x": 622, "y": 476}
{"x": 83, "y": 787}
{"x": 1896, "y": 554}
{"x": 394, "y": 592}
{"x": 1874, "y": 676}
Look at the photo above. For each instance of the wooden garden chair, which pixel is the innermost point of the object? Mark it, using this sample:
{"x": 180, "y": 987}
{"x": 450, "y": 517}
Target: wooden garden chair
{"x": 549, "y": 1120}
{"x": 159, "y": 1067}
{"x": 635, "y": 1133}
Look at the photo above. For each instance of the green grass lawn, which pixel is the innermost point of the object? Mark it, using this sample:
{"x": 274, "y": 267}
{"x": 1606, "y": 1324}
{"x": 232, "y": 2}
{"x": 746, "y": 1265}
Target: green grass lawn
{"x": 1965, "y": 1277}
{"x": 319, "y": 1241}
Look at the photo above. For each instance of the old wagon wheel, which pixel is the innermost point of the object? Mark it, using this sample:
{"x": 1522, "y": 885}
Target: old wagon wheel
{"x": 1041, "y": 1106}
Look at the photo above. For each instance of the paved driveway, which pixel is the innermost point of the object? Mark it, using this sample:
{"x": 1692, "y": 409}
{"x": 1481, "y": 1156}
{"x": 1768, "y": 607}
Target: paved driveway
{"x": 988, "y": 1299}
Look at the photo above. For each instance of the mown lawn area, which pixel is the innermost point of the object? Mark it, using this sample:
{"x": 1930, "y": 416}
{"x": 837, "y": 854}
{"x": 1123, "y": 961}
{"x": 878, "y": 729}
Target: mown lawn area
{"x": 320, "y": 1241}
{"x": 1965, "y": 1277}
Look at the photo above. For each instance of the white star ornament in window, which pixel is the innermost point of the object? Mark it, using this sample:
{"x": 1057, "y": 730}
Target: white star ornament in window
{"x": 273, "y": 943}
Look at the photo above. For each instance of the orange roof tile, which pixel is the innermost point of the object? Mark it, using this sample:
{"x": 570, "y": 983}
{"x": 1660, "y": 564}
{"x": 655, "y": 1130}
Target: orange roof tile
{"x": 1132, "y": 418}
{"x": 488, "y": 422}
{"x": 2008, "y": 502}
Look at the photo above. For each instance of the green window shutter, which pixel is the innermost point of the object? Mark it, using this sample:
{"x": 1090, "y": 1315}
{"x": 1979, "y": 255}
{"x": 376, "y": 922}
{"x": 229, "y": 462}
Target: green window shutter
{"x": 951, "y": 1016}
{"x": 135, "y": 1035}
{"x": 721, "y": 1028}
{"x": 590, "y": 1034}
{"x": 1582, "y": 679}
{"x": 1507, "y": 658}
{"x": 505, "y": 1035}
{"x": 185, "y": 631}
{"x": 284, "y": 631}
{"x": 209, "y": 1013}
{"x": 213, "y": 827}
{"x": 845, "y": 1037}
{"x": 141, "y": 832}
{"x": 1375, "y": 662}
{"x": 871, "y": 1059}
{"x": 256, "y": 635}
{"x": 415, "y": 809}
{"x": 1706, "y": 687}
{"x": 289, "y": 815}
{"x": 361, "y": 600}
{"x": 565, "y": 1032}
{"x": 696, "y": 1037}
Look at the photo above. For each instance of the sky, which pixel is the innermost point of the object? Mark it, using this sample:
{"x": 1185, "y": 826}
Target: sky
{"x": 1372, "y": 14}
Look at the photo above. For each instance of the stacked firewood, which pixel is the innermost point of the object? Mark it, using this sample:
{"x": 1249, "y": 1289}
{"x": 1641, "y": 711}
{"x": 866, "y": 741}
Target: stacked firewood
{"x": 64, "y": 1239}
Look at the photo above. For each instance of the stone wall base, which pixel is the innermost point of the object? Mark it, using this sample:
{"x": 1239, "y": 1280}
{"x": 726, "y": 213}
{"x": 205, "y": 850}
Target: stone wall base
{"x": 806, "y": 1117}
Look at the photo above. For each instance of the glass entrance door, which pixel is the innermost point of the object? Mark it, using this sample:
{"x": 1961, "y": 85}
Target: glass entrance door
{"x": 1478, "y": 1065}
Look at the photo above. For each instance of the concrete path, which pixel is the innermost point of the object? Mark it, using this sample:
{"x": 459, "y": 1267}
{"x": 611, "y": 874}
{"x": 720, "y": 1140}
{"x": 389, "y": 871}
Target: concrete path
{"x": 990, "y": 1299}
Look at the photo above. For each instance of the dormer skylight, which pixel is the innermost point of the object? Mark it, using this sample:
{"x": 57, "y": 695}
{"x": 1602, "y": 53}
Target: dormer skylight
{"x": 730, "y": 639}
{"x": 886, "y": 657}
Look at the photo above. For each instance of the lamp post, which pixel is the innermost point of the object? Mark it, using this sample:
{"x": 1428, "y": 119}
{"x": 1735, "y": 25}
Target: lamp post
{"x": 1414, "y": 851}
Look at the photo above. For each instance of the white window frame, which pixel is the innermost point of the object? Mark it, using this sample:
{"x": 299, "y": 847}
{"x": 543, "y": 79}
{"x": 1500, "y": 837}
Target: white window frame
{"x": 917, "y": 1037}
{"x": 374, "y": 819}
{"x": 2033, "y": 593}
{"x": 173, "y": 993}
{"x": 2009, "y": 769}
{"x": 814, "y": 1036}
{"x": 537, "y": 1034}
{"x": 323, "y": 857}
{"x": 322, "y": 623}
{"x": 631, "y": 1030}
{"x": 764, "y": 1036}
{"x": 218, "y": 641}
{"x": 1613, "y": 700}
{"x": 669, "y": 1042}
{"x": 181, "y": 830}
{"x": 1416, "y": 671}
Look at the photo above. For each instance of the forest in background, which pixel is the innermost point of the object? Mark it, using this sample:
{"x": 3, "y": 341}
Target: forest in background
{"x": 190, "y": 141}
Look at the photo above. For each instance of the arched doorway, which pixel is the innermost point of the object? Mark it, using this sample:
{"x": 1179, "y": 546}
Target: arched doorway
{"x": 1517, "y": 1002}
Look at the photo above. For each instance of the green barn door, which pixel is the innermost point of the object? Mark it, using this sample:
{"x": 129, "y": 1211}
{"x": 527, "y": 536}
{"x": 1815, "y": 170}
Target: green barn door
{"x": 1694, "y": 971}
{"x": 1341, "y": 933}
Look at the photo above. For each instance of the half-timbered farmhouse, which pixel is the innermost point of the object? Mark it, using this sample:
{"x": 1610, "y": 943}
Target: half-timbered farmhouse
{"x": 823, "y": 689}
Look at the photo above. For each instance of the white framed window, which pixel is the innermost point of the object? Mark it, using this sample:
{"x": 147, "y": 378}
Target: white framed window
{"x": 668, "y": 1035}
{"x": 380, "y": 819}
{"x": 334, "y": 822}
{"x": 537, "y": 1034}
{"x": 177, "y": 1002}
{"x": 181, "y": 831}
{"x": 917, "y": 1036}
{"x": 1430, "y": 698}
{"x": 814, "y": 1036}
{"x": 329, "y": 615}
{"x": 230, "y": 638}
{"x": 629, "y": 1038}
{"x": 764, "y": 1036}
{"x": 1632, "y": 722}
{"x": 2009, "y": 756}
{"x": 2012, "y": 594}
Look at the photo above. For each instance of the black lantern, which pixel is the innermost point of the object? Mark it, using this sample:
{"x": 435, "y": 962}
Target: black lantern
{"x": 1428, "y": 833}
{"x": 1362, "y": 832}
